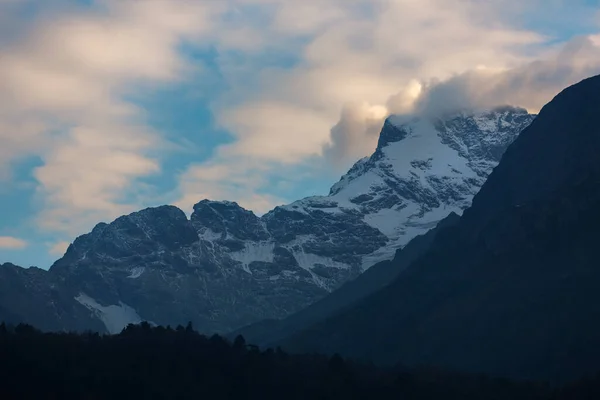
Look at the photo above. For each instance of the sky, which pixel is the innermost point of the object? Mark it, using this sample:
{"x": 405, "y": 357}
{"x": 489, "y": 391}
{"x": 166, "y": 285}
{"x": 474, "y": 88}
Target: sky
{"x": 111, "y": 106}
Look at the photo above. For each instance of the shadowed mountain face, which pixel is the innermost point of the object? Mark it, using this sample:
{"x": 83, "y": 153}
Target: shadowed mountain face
{"x": 224, "y": 267}
{"x": 36, "y": 295}
{"x": 512, "y": 288}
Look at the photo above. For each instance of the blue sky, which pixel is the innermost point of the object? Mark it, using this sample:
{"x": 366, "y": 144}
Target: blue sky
{"x": 109, "y": 106}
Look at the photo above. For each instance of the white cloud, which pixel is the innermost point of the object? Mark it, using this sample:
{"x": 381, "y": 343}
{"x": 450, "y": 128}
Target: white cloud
{"x": 86, "y": 178}
{"x": 274, "y": 131}
{"x": 12, "y": 243}
{"x": 357, "y": 132}
{"x": 530, "y": 85}
{"x": 241, "y": 181}
{"x": 63, "y": 98}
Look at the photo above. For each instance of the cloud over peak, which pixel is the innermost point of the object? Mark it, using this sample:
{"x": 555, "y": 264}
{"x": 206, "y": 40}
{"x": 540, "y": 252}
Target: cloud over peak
{"x": 530, "y": 85}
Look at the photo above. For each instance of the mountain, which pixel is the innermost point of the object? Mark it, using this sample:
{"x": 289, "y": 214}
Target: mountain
{"x": 512, "y": 288}
{"x": 225, "y": 268}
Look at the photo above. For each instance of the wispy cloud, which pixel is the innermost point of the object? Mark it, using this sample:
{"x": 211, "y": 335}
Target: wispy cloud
{"x": 64, "y": 98}
{"x": 12, "y": 243}
{"x": 59, "y": 249}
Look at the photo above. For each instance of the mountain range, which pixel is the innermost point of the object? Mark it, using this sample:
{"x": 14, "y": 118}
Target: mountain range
{"x": 225, "y": 267}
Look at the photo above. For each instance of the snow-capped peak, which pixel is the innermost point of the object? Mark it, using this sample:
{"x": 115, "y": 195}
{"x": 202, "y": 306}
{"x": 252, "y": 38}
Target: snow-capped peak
{"x": 422, "y": 170}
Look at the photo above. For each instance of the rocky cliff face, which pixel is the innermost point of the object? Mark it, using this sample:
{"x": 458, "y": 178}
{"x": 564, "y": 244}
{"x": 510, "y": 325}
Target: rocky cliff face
{"x": 225, "y": 267}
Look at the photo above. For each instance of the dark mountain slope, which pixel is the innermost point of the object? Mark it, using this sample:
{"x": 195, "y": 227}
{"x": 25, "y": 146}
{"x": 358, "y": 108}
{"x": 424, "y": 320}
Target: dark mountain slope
{"x": 512, "y": 289}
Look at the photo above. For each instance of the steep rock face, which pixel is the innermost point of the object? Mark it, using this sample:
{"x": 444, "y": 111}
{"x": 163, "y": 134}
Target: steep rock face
{"x": 511, "y": 289}
{"x": 225, "y": 267}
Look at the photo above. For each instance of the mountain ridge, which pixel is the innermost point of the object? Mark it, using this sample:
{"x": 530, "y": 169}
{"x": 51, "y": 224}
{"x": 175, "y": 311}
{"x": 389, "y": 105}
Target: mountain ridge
{"x": 225, "y": 267}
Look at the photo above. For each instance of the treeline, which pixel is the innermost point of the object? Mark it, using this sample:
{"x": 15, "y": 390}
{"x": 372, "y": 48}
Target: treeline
{"x": 145, "y": 362}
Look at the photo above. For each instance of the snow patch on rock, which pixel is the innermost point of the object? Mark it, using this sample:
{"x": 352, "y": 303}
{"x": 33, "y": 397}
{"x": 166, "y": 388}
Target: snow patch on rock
{"x": 114, "y": 317}
{"x": 262, "y": 251}
{"x": 136, "y": 272}
{"x": 309, "y": 261}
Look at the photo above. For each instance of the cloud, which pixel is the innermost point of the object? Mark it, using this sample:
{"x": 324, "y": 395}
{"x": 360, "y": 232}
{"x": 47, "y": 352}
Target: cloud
{"x": 12, "y": 243}
{"x": 357, "y": 132}
{"x": 63, "y": 97}
{"x": 100, "y": 184}
{"x": 299, "y": 132}
{"x": 240, "y": 181}
{"x": 59, "y": 249}
{"x": 530, "y": 85}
